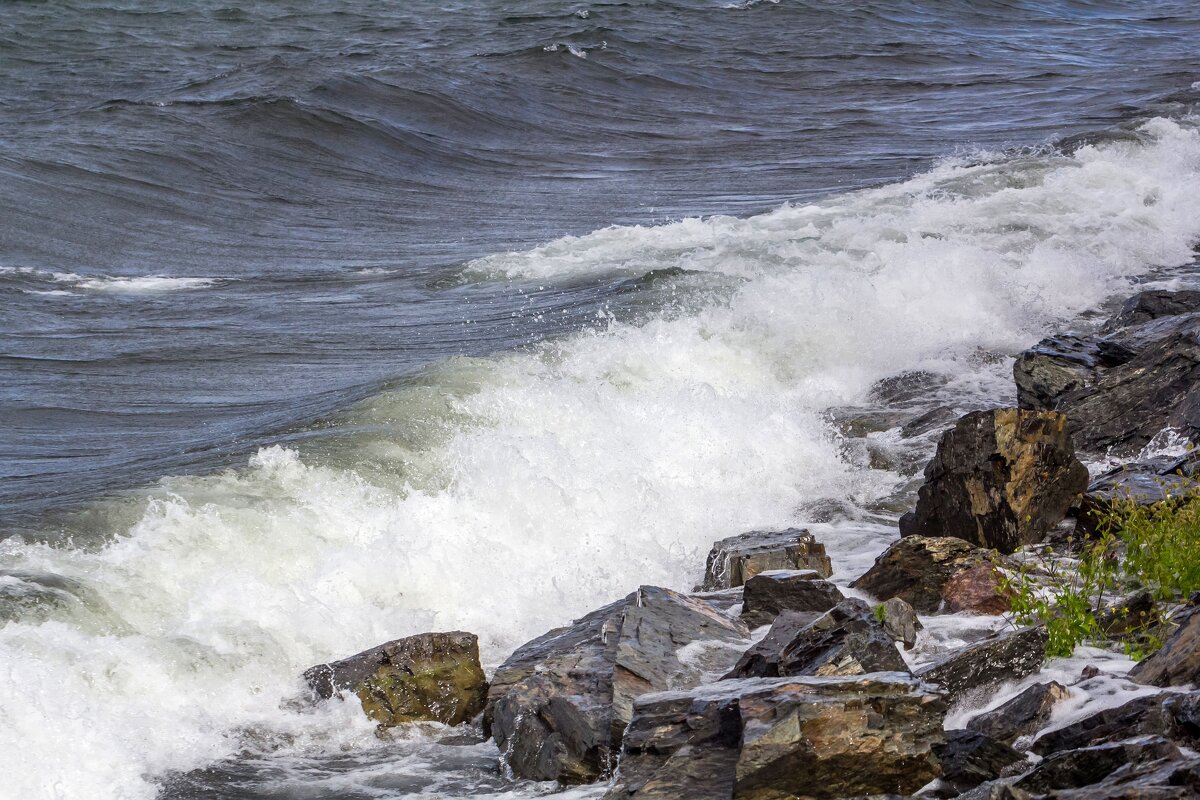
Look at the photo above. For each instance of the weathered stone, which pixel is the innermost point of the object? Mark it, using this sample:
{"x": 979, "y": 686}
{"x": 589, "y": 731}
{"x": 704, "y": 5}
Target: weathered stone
{"x": 917, "y": 569}
{"x": 763, "y": 658}
{"x": 734, "y": 560}
{"x": 847, "y": 640}
{"x": 558, "y": 707}
{"x": 1072, "y": 769}
{"x": 900, "y": 622}
{"x": 773, "y": 738}
{"x": 1172, "y": 715}
{"x": 1053, "y": 367}
{"x": 769, "y": 593}
{"x": 721, "y": 599}
{"x": 1178, "y": 662}
{"x": 1164, "y": 779}
{"x": 1023, "y": 715}
{"x": 969, "y": 758}
{"x": 1143, "y": 483}
{"x": 1153, "y": 304}
{"x": 1001, "y": 479}
{"x": 432, "y": 676}
{"x": 987, "y": 663}
{"x": 978, "y": 590}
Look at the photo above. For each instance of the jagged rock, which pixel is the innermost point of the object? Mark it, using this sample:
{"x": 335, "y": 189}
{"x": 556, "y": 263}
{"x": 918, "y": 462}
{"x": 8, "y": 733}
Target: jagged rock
{"x": 984, "y": 664}
{"x": 1021, "y": 716}
{"x": 1153, "y": 304}
{"x": 917, "y": 569}
{"x": 558, "y": 706}
{"x": 763, "y": 658}
{"x": 969, "y": 758}
{"x": 1072, "y": 769}
{"x": 1170, "y": 714}
{"x": 900, "y": 622}
{"x": 1178, "y": 662}
{"x": 722, "y": 599}
{"x": 1130, "y": 615}
{"x": 773, "y": 738}
{"x": 1164, "y": 779}
{"x": 1128, "y": 405}
{"x": 769, "y": 593}
{"x": 978, "y": 590}
{"x": 734, "y": 560}
{"x": 847, "y": 640}
{"x": 1053, "y": 367}
{"x": 431, "y": 676}
{"x": 1000, "y": 479}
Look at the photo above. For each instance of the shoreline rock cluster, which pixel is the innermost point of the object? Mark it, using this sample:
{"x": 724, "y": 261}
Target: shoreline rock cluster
{"x": 663, "y": 694}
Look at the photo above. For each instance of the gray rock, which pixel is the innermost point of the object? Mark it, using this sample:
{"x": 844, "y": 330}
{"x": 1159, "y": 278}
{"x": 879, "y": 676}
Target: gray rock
{"x": 847, "y": 640}
{"x": 767, "y": 594}
{"x": 969, "y": 758}
{"x": 1052, "y": 368}
{"x": 1164, "y": 779}
{"x": 428, "y": 677}
{"x": 917, "y": 569}
{"x": 558, "y": 706}
{"x": 1178, "y": 662}
{"x": 987, "y": 663}
{"x": 764, "y": 739}
{"x": 1001, "y": 479}
{"x": 1153, "y": 304}
{"x": 900, "y": 622}
{"x": 1023, "y": 715}
{"x": 1172, "y": 715}
{"x": 1072, "y": 769}
{"x": 734, "y": 560}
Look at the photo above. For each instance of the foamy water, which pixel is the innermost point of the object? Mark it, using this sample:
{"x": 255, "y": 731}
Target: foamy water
{"x": 507, "y": 495}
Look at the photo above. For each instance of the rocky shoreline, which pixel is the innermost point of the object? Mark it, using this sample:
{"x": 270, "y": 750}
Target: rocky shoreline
{"x": 769, "y": 682}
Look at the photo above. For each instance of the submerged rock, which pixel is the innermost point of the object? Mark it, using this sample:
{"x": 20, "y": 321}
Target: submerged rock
{"x": 1000, "y": 479}
{"x": 765, "y": 739}
{"x": 987, "y": 663}
{"x": 1021, "y": 716}
{"x": 1178, "y": 662}
{"x": 847, "y": 640}
{"x": 767, "y": 594}
{"x": 900, "y": 621}
{"x": 734, "y": 560}
{"x": 917, "y": 569}
{"x": 558, "y": 706}
{"x": 432, "y": 676}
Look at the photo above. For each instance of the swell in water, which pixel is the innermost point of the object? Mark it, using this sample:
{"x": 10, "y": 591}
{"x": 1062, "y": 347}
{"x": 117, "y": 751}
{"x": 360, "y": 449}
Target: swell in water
{"x": 506, "y": 494}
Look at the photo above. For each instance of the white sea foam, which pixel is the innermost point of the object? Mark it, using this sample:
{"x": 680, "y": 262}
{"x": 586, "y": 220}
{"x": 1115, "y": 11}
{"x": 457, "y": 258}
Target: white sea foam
{"x": 146, "y": 284}
{"x": 504, "y": 496}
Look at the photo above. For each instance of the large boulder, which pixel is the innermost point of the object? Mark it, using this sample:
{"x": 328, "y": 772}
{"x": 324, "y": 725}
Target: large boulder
{"x": 1001, "y": 479}
{"x": 1178, "y": 662}
{"x": 558, "y": 706}
{"x": 432, "y": 676}
{"x": 774, "y": 738}
{"x": 918, "y": 569}
{"x": 1023, "y": 715}
{"x": 983, "y": 665}
{"x": 735, "y": 560}
{"x": 847, "y": 640}
{"x": 770, "y": 593}
{"x": 1052, "y": 368}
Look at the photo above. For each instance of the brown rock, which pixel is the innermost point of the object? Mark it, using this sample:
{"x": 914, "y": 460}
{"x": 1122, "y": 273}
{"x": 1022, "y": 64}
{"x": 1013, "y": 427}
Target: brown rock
{"x": 1000, "y": 479}
{"x": 978, "y": 590}
{"x": 432, "y": 676}
{"x": 917, "y": 569}
{"x": 734, "y": 560}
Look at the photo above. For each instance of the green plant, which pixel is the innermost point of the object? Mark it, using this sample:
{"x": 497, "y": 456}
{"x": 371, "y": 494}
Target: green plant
{"x": 880, "y": 613}
{"x": 1153, "y": 547}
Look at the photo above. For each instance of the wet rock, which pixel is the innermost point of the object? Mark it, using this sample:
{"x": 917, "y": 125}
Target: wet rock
{"x": 1128, "y": 405}
{"x": 1153, "y": 304}
{"x": 987, "y": 663}
{"x": 969, "y": 758}
{"x": 900, "y": 622}
{"x": 1023, "y": 715}
{"x": 558, "y": 706}
{"x": 932, "y": 420}
{"x": 1143, "y": 483}
{"x": 847, "y": 640}
{"x": 1052, "y": 368}
{"x": 762, "y": 660}
{"x": 1165, "y": 779}
{"x": 1172, "y": 715}
{"x": 1178, "y": 662}
{"x": 432, "y": 676}
{"x": 721, "y": 599}
{"x": 771, "y": 738}
{"x": 734, "y": 560}
{"x": 1072, "y": 769}
{"x": 978, "y": 590}
{"x": 769, "y": 593}
{"x": 1000, "y": 479}
{"x": 917, "y": 569}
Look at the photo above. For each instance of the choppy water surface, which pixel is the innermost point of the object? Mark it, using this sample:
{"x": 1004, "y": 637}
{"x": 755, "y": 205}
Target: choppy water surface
{"x": 325, "y": 323}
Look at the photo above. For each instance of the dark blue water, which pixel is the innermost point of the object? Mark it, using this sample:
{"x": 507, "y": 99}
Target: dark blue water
{"x": 326, "y": 168}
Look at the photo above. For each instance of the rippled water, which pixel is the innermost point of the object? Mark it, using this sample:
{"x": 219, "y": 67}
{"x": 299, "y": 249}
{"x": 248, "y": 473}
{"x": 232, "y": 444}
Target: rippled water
{"x": 324, "y": 324}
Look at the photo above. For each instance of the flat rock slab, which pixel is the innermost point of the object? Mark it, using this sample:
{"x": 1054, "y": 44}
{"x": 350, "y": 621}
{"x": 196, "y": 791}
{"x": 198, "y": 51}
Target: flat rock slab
{"x": 735, "y": 560}
{"x": 1023, "y": 715}
{"x": 1178, "y": 662}
{"x": 429, "y": 677}
{"x": 988, "y": 663}
{"x": 770, "y": 593}
{"x": 558, "y": 706}
{"x": 764, "y": 739}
